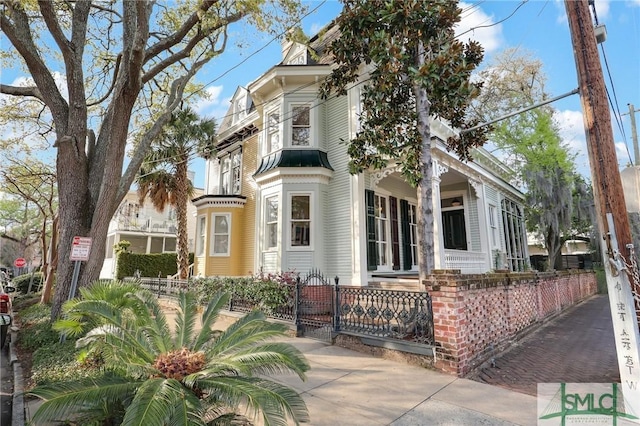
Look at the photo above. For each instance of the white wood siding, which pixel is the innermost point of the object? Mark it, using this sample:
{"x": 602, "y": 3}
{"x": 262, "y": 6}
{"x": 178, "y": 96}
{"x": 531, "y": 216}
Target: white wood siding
{"x": 474, "y": 222}
{"x": 270, "y": 261}
{"x": 337, "y": 229}
{"x": 301, "y": 262}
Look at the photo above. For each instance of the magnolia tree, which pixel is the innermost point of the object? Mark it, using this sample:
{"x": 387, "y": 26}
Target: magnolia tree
{"x": 96, "y": 68}
{"x": 416, "y": 69}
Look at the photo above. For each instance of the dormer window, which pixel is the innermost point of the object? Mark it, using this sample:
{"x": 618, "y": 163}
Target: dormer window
{"x": 300, "y": 126}
{"x": 298, "y": 59}
{"x": 273, "y": 132}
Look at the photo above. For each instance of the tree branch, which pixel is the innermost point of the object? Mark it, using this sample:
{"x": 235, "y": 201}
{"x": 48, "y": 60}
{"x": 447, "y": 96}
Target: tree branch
{"x": 49, "y": 15}
{"x": 32, "y": 91}
{"x": 177, "y": 37}
{"x": 174, "y": 99}
{"x": 19, "y": 34}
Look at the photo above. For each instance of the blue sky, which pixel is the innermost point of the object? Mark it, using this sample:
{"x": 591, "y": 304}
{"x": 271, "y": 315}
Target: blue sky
{"x": 539, "y": 26}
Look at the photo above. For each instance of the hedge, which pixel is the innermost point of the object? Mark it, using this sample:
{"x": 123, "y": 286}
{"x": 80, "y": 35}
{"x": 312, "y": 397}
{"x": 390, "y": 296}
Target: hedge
{"x": 21, "y": 282}
{"x": 149, "y": 265}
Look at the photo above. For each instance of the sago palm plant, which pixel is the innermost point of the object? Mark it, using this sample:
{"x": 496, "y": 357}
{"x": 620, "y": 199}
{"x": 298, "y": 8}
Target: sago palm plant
{"x": 191, "y": 376}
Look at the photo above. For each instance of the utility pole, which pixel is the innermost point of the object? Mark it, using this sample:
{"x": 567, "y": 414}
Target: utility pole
{"x": 611, "y": 212}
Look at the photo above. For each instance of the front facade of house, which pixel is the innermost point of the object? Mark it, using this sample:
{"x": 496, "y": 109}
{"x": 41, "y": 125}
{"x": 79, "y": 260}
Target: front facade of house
{"x": 279, "y": 196}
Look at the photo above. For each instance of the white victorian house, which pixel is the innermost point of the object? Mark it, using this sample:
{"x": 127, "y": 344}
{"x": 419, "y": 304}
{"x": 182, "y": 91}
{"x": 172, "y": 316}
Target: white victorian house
{"x": 279, "y": 195}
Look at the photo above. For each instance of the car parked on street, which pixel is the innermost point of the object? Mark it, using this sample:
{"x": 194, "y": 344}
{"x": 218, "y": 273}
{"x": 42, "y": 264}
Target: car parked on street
{"x": 6, "y": 313}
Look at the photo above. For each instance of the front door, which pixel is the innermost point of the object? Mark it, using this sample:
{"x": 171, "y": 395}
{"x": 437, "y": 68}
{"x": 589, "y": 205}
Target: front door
{"x": 454, "y": 230}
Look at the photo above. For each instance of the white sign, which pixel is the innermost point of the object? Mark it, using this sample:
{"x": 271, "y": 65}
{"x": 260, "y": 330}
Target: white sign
{"x": 625, "y": 325}
{"x": 80, "y": 248}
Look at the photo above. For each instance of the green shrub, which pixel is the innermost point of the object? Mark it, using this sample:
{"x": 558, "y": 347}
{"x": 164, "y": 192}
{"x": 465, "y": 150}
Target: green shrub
{"x": 149, "y": 265}
{"x": 21, "y": 283}
{"x": 267, "y": 292}
{"x": 51, "y": 360}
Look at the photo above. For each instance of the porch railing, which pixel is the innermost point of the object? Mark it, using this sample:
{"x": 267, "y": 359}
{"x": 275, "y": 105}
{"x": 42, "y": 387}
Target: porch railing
{"x": 468, "y": 262}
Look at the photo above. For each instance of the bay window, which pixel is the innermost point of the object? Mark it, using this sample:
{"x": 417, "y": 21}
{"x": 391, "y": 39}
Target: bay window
{"x": 273, "y": 132}
{"x": 300, "y": 125}
{"x": 300, "y": 220}
{"x": 271, "y": 222}
{"x": 221, "y": 230}
{"x": 231, "y": 173}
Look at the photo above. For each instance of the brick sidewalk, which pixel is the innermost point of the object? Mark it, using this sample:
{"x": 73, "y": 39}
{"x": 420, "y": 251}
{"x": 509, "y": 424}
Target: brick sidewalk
{"x": 575, "y": 347}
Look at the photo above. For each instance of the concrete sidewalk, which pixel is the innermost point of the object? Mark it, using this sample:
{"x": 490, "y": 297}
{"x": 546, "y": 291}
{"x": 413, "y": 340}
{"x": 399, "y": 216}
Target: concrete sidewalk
{"x": 350, "y": 388}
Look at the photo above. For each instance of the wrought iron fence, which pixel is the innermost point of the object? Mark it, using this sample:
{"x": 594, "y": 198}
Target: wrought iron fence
{"x": 388, "y": 314}
{"x": 393, "y": 314}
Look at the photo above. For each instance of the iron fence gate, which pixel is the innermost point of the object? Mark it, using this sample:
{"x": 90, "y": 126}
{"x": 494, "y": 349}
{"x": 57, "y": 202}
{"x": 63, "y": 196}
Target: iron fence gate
{"x": 315, "y": 307}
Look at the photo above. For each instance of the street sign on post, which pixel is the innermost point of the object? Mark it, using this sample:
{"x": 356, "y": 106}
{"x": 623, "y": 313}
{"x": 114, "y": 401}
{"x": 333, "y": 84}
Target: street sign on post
{"x": 80, "y": 248}
{"x": 20, "y": 262}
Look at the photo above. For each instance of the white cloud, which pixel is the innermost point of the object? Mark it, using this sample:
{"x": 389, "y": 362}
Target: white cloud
{"x": 317, "y": 26}
{"x": 573, "y": 136}
{"x": 602, "y": 10}
{"x": 490, "y": 36}
{"x": 623, "y": 154}
{"x": 209, "y": 101}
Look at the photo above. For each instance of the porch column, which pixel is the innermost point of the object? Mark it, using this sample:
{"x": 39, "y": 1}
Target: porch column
{"x": 483, "y": 219}
{"x": 438, "y": 244}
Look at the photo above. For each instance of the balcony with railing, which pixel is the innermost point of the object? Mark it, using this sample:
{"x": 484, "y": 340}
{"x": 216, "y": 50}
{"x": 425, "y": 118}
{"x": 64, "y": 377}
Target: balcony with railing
{"x": 143, "y": 223}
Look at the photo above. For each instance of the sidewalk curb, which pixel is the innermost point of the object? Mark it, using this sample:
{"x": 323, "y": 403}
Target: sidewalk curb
{"x": 17, "y": 410}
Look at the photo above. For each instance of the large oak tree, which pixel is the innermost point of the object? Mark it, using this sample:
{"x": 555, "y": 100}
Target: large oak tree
{"x": 94, "y": 66}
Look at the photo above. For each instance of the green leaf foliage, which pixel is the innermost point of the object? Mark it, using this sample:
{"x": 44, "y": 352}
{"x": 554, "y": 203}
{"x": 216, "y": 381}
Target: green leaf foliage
{"x": 188, "y": 374}
{"x": 396, "y": 48}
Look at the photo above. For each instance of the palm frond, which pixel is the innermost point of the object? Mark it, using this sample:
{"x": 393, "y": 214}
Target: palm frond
{"x": 209, "y": 317}
{"x": 276, "y": 403}
{"x": 247, "y": 331}
{"x": 154, "y": 319}
{"x": 159, "y": 400}
{"x": 186, "y": 319}
{"x": 63, "y": 400}
{"x": 270, "y": 358}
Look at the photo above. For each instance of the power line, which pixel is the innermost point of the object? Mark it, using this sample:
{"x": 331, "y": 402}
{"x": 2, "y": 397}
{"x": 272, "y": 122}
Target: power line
{"x": 289, "y": 114}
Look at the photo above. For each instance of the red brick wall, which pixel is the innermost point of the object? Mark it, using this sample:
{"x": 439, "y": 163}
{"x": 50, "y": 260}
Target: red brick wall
{"x": 474, "y": 315}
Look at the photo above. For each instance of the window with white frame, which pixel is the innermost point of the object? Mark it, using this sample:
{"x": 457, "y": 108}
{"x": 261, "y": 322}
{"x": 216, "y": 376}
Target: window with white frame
{"x": 220, "y": 234}
{"x": 493, "y": 225}
{"x": 231, "y": 173}
{"x": 239, "y": 109}
{"x": 202, "y": 223}
{"x": 271, "y": 222}
{"x": 300, "y": 220}
{"x": 382, "y": 224}
{"x": 273, "y": 132}
{"x": 413, "y": 233}
{"x": 300, "y": 125}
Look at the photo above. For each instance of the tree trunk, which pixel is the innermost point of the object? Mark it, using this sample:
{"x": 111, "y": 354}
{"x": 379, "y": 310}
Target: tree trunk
{"x": 554, "y": 251}
{"x": 50, "y": 273}
{"x": 181, "y": 216}
{"x": 426, "y": 252}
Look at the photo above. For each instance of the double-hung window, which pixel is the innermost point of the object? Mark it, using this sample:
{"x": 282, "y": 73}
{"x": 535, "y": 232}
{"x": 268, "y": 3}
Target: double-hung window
{"x": 220, "y": 231}
{"x": 300, "y": 220}
{"x": 271, "y": 222}
{"x": 202, "y": 220}
{"x": 273, "y": 132}
{"x": 231, "y": 173}
{"x": 300, "y": 125}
